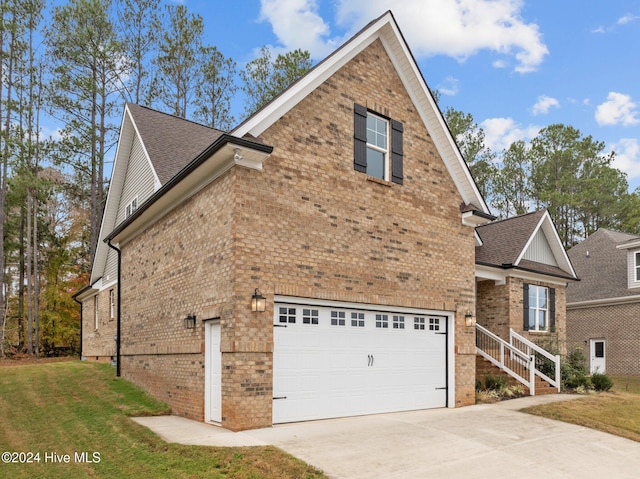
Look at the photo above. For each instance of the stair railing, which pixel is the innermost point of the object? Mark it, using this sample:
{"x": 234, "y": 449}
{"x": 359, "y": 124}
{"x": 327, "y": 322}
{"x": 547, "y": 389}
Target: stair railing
{"x": 507, "y": 357}
{"x": 548, "y": 361}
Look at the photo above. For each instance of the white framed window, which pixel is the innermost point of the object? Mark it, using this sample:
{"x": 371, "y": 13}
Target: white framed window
{"x": 398, "y": 322}
{"x": 538, "y": 308}
{"x": 382, "y": 320}
{"x": 377, "y": 147}
{"x": 357, "y": 320}
{"x": 112, "y": 304}
{"x": 338, "y": 318}
{"x": 636, "y": 256}
{"x": 131, "y": 207}
{"x": 434, "y": 324}
{"x": 310, "y": 316}
{"x": 418, "y": 323}
{"x": 287, "y": 315}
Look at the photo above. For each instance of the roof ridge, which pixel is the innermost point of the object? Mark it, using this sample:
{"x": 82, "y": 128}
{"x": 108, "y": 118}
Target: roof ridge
{"x": 541, "y": 211}
{"x": 175, "y": 117}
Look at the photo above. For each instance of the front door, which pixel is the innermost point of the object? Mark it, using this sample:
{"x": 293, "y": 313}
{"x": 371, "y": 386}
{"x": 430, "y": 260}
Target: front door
{"x": 598, "y": 356}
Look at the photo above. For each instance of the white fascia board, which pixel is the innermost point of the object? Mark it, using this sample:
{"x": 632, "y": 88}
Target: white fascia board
{"x": 209, "y": 170}
{"x": 471, "y": 218}
{"x": 116, "y": 184}
{"x": 629, "y": 245}
{"x": 385, "y": 29}
{"x": 484, "y": 272}
{"x": 500, "y": 275}
{"x": 604, "y": 302}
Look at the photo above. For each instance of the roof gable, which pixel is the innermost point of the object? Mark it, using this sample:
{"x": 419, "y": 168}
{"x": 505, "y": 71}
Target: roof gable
{"x": 167, "y": 144}
{"x": 529, "y": 242}
{"x": 386, "y": 30}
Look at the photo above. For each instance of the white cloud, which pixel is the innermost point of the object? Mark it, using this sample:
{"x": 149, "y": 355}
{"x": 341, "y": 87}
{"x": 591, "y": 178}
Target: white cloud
{"x": 627, "y": 157}
{"x": 457, "y": 28}
{"x": 619, "y": 109}
{"x": 501, "y": 132}
{"x": 543, "y": 105}
{"x": 449, "y": 86}
{"x": 628, "y": 18}
{"x": 298, "y": 24}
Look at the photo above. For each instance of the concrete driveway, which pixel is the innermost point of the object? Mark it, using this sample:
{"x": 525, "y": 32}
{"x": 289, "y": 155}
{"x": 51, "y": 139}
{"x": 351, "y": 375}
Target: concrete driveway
{"x": 484, "y": 441}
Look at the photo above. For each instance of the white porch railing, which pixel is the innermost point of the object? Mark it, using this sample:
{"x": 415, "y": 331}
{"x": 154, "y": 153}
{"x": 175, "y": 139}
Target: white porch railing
{"x": 544, "y": 360}
{"x": 507, "y": 357}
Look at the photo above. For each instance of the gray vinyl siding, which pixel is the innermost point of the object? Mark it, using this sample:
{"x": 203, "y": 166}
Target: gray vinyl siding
{"x": 111, "y": 267}
{"x": 540, "y": 251}
{"x": 139, "y": 180}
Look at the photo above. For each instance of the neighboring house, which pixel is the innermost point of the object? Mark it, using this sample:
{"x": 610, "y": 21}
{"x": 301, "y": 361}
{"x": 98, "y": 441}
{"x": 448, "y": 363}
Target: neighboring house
{"x": 318, "y": 261}
{"x": 523, "y": 271}
{"x": 603, "y": 309}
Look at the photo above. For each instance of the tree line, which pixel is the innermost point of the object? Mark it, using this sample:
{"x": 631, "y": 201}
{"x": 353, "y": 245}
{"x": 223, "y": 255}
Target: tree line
{"x": 75, "y": 64}
{"x": 561, "y": 170}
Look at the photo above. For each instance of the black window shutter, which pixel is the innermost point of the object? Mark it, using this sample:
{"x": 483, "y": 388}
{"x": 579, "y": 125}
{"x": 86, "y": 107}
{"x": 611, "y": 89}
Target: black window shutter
{"x": 525, "y": 306}
{"x": 397, "y": 152}
{"x": 552, "y": 309}
{"x": 360, "y": 138}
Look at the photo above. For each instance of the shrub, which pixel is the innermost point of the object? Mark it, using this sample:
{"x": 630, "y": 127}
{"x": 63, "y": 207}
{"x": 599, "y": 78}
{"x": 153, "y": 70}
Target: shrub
{"x": 574, "y": 371}
{"x": 495, "y": 383}
{"x": 601, "y": 382}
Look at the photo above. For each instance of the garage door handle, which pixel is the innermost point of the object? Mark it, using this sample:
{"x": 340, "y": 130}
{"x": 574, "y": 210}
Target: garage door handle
{"x": 371, "y": 359}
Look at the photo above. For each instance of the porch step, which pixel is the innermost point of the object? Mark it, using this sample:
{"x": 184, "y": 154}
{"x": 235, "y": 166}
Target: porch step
{"x": 485, "y": 367}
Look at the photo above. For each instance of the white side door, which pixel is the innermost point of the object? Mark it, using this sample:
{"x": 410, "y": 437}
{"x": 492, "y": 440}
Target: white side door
{"x": 212, "y": 373}
{"x": 598, "y": 356}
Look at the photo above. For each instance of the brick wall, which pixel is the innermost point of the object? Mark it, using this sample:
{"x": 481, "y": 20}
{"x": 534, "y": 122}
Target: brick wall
{"x": 500, "y": 308}
{"x": 98, "y": 344}
{"x": 310, "y": 225}
{"x": 182, "y": 265}
{"x": 618, "y": 325}
{"x": 307, "y": 225}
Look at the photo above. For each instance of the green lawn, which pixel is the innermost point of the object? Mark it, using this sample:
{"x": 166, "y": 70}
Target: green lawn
{"x": 49, "y": 411}
{"x": 616, "y": 412}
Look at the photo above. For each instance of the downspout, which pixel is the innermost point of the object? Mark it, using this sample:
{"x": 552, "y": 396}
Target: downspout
{"x": 117, "y": 309}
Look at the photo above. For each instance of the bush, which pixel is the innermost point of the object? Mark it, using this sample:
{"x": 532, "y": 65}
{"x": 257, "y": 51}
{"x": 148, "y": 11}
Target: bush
{"x": 495, "y": 383}
{"x": 601, "y": 382}
{"x": 574, "y": 372}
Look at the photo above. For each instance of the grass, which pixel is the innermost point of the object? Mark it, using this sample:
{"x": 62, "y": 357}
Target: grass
{"x": 74, "y": 407}
{"x": 616, "y": 412}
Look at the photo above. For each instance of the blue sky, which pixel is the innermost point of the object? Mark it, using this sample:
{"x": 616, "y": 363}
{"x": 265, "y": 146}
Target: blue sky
{"x": 516, "y": 66}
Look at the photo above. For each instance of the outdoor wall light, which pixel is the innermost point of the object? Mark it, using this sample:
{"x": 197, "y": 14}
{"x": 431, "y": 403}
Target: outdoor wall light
{"x": 469, "y": 320}
{"x": 258, "y": 302}
{"x": 190, "y": 321}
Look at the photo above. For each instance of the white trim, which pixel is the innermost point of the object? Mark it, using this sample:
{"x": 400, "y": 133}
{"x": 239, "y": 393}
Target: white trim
{"x": 211, "y": 169}
{"x": 604, "y": 302}
{"x": 451, "y": 327}
{"x": 386, "y": 30}
{"x": 500, "y": 275}
{"x": 551, "y": 234}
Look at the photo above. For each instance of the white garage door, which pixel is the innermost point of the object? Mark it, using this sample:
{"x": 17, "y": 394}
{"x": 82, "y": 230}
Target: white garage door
{"x": 339, "y": 361}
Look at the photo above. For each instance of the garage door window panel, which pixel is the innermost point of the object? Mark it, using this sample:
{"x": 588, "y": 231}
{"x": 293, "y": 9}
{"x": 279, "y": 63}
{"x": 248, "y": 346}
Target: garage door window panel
{"x": 310, "y": 316}
{"x": 287, "y": 315}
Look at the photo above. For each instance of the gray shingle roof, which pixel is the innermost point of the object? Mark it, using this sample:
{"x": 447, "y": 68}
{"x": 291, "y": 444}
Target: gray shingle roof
{"x": 601, "y": 267}
{"x": 171, "y": 142}
{"x": 503, "y": 241}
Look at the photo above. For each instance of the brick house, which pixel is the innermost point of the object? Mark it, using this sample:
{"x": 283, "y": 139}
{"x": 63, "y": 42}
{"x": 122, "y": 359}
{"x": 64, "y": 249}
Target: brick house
{"x": 604, "y": 307}
{"x": 317, "y": 261}
{"x": 523, "y": 272}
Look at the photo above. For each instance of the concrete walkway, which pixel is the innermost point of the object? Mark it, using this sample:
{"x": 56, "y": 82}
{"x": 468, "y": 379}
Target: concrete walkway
{"x": 483, "y": 441}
